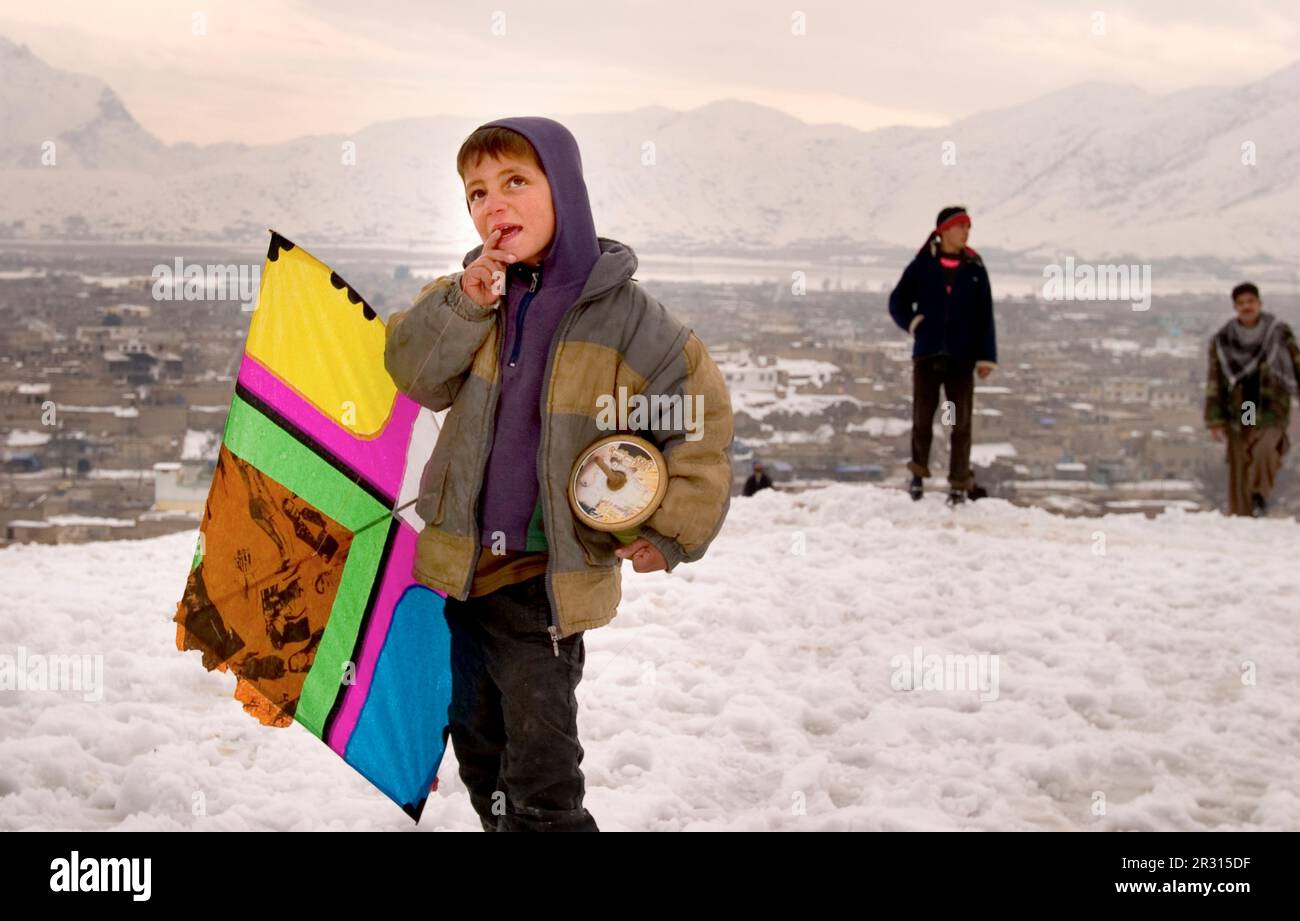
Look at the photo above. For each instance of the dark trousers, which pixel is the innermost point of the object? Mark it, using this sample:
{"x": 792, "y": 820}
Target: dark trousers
{"x": 957, "y": 376}
{"x": 513, "y": 716}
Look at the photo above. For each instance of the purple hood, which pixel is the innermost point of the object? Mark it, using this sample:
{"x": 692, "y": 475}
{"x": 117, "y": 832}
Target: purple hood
{"x": 509, "y": 499}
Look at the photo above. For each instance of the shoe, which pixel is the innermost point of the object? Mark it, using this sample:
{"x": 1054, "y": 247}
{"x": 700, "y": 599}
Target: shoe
{"x": 1258, "y": 507}
{"x": 956, "y": 496}
{"x": 975, "y": 493}
{"x": 917, "y": 489}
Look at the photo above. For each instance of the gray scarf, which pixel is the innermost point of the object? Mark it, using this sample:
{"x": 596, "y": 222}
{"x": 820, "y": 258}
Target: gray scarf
{"x": 1243, "y": 350}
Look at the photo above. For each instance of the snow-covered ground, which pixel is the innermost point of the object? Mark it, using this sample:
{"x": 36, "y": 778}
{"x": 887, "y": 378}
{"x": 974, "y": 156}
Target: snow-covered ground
{"x": 758, "y": 688}
{"x": 759, "y": 404}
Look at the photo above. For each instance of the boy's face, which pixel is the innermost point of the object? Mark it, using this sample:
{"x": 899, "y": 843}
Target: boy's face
{"x": 1247, "y": 307}
{"x": 513, "y": 194}
{"x": 954, "y": 238}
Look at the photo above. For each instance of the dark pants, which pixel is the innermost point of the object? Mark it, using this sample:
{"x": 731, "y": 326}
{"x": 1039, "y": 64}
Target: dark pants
{"x": 513, "y": 716}
{"x": 958, "y": 379}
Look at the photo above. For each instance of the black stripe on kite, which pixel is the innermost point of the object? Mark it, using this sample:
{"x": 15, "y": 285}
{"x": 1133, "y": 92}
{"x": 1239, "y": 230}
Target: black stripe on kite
{"x": 355, "y": 654}
{"x": 371, "y": 489}
{"x": 414, "y": 810}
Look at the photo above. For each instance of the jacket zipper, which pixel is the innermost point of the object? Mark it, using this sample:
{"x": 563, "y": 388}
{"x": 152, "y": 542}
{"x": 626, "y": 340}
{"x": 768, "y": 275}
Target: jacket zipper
{"x": 947, "y": 296}
{"x": 519, "y": 320}
{"x": 493, "y": 396}
{"x": 553, "y": 629}
{"x": 565, "y": 322}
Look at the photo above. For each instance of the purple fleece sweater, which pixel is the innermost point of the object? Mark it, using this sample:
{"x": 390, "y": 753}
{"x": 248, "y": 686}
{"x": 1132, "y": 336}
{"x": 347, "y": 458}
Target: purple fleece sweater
{"x": 510, "y": 487}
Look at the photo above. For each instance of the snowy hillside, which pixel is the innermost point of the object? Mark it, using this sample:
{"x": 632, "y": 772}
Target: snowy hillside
{"x": 737, "y": 690}
{"x": 39, "y": 103}
{"x": 1099, "y": 170}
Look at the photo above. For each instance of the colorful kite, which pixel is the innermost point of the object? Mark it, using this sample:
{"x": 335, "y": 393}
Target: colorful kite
{"x": 301, "y": 582}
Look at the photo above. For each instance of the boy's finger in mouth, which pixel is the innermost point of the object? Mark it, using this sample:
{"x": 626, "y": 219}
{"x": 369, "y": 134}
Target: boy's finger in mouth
{"x": 507, "y": 232}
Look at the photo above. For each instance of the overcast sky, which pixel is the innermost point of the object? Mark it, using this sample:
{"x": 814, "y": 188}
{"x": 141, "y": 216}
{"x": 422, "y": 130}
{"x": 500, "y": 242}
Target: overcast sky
{"x": 268, "y": 70}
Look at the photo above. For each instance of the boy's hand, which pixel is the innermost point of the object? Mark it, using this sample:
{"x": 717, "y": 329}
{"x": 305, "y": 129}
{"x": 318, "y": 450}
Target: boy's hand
{"x": 644, "y": 555}
{"x": 983, "y": 371}
{"x": 479, "y": 280}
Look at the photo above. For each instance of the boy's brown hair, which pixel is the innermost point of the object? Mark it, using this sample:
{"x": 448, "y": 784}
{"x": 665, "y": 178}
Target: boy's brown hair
{"x": 494, "y": 142}
{"x": 1244, "y": 288}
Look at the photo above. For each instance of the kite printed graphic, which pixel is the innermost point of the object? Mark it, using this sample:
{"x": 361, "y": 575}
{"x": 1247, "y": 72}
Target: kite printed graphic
{"x": 301, "y": 583}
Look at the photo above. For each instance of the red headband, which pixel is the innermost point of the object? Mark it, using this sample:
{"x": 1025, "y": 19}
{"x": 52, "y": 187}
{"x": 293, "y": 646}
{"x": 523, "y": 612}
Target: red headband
{"x": 959, "y": 218}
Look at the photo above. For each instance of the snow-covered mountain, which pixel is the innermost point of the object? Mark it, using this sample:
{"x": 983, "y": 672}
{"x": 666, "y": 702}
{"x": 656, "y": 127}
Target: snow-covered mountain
{"x": 1147, "y": 676}
{"x": 81, "y": 115}
{"x": 1100, "y": 170}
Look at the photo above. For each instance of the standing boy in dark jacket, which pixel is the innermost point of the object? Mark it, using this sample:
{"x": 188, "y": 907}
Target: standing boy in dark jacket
{"x": 945, "y": 301}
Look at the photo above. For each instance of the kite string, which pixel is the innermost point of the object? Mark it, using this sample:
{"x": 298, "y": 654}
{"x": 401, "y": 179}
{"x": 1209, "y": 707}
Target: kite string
{"x": 256, "y": 583}
{"x": 393, "y": 512}
{"x": 414, "y": 379}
